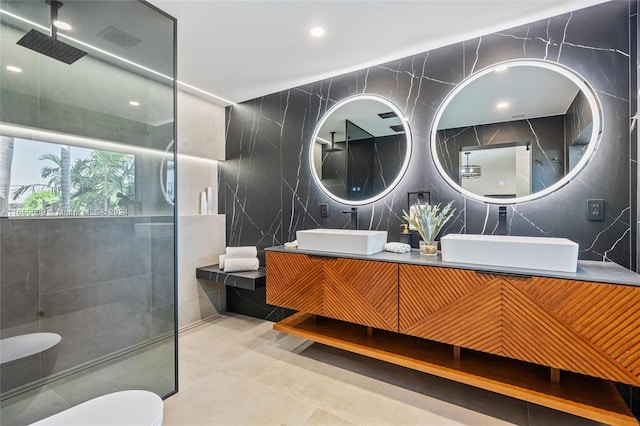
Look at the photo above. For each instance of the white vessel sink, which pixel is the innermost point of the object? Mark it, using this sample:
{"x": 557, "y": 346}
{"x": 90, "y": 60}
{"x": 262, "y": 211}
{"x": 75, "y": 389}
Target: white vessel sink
{"x": 348, "y": 241}
{"x": 544, "y": 253}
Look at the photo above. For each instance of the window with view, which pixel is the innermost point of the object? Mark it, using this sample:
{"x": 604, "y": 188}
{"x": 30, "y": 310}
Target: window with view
{"x": 47, "y": 179}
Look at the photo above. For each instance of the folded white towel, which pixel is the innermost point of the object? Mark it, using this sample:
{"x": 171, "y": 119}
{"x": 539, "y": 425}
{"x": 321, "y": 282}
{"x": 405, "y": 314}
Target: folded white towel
{"x": 245, "y": 251}
{"x": 221, "y": 261}
{"x": 397, "y": 247}
{"x": 238, "y": 264}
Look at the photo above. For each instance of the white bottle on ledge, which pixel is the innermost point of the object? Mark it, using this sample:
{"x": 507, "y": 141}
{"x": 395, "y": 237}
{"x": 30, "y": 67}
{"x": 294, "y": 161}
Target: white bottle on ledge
{"x": 210, "y": 203}
{"x": 203, "y": 203}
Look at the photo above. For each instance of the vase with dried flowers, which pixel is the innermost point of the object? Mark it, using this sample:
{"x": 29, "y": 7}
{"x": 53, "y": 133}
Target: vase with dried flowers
{"x": 428, "y": 220}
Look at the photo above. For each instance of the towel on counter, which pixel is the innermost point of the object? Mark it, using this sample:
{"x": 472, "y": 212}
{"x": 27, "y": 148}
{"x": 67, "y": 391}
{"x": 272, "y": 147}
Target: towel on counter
{"x": 397, "y": 247}
{"x": 245, "y": 251}
{"x": 221, "y": 261}
{"x": 239, "y": 264}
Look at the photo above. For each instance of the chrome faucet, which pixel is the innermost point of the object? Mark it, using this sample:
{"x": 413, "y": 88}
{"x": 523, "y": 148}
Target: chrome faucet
{"x": 354, "y": 216}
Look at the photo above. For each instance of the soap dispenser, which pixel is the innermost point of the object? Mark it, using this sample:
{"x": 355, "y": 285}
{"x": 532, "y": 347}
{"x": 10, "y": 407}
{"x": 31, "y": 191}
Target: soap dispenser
{"x": 405, "y": 235}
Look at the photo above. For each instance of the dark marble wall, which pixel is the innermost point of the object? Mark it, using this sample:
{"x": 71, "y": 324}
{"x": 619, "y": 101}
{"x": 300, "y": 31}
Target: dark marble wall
{"x": 267, "y": 192}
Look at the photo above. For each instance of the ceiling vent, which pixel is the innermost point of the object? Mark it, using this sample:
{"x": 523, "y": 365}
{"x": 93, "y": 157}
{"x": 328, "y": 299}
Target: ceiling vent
{"x": 385, "y": 115}
{"x": 118, "y": 37}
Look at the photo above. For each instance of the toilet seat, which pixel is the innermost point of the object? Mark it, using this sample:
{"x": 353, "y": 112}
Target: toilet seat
{"x": 26, "y": 345}
{"x": 126, "y": 408}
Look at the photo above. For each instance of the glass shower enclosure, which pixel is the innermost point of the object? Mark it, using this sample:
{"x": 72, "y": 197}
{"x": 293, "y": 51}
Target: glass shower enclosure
{"x": 87, "y": 203}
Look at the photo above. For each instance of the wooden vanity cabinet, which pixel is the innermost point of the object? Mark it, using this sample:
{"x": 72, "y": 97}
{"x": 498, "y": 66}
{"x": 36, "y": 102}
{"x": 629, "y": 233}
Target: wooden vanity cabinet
{"x": 584, "y": 327}
{"x": 431, "y": 312}
{"x": 357, "y": 291}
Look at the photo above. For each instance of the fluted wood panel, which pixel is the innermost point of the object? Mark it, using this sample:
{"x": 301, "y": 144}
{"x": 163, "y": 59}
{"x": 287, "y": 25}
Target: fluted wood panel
{"x": 588, "y": 328}
{"x": 357, "y": 291}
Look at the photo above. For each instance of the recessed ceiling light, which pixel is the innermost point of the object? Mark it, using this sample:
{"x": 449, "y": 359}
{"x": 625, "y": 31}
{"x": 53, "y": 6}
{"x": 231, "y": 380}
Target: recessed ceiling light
{"x": 134, "y": 103}
{"x": 62, "y": 25}
{"x": 13, "y": 68}
{"x": 501, "y": 68}
{"x": 502, "y": 105}
{"x": 317, "y": 31}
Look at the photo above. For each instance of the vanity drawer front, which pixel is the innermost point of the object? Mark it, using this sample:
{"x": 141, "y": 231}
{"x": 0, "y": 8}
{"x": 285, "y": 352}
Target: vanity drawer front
{"x": 452, "y": 306}
{"x": 357, "y": 291}
{"x": 585, "y": 327}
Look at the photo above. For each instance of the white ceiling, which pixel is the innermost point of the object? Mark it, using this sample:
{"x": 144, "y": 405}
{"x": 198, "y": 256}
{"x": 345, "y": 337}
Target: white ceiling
{"x": 477, "y": 102}
{"x": 239, "y": 50}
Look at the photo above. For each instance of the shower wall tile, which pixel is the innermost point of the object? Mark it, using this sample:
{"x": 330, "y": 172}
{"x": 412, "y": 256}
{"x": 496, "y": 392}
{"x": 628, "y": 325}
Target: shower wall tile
{"x": 206, "y": 305}
{"x": 79, "y": 252}
{"x": 63, "y": 275}
{"x": 200, "y": 127}
{"x": 162, "y": 320}
{"x": 99, "y": 319}
{"x": 194, "y": 176}
{"x": 162, "y": 269}
{"x": 201, "y": 238}
{"x": 19, "y": 277}
{"x": 266, "y": 188}
{"x": 201, "y": 241}
{"x": 200, "y": 137}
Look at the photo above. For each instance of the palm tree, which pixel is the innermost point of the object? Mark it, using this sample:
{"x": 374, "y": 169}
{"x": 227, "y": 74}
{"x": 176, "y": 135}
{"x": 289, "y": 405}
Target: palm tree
{"x": 65, "y": 177}
{"x": 99, "y": 179}
{"x": 50, "y": 172}
{"x": 90, "y": 183}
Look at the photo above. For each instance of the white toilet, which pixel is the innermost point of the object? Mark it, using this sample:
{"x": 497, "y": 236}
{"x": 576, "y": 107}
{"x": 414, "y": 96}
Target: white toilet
{"x": 26, "y": 358}
{"x": 26, "y": 345}
{"x": 126, "y": 408}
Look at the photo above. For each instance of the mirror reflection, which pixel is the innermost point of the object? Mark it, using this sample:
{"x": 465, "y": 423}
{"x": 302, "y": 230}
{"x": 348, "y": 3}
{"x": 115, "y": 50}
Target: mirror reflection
{"x": 360, "y": 149}
{"x": 516, "y": 131}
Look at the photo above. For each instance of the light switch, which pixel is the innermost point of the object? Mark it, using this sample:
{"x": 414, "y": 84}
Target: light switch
{"x": 324, "y": 210}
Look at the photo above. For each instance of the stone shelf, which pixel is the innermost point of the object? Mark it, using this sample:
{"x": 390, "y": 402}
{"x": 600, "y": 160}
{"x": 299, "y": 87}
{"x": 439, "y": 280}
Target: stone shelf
{"x": 249, "y": 280}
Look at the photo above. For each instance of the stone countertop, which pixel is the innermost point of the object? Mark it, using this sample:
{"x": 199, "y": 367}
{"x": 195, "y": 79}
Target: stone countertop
{"x": 588, "y": 270}
{"x": 249, "y": 280}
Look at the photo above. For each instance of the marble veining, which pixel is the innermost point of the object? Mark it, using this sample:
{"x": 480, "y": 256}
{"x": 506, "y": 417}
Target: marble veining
{"x": 266, "y": 187}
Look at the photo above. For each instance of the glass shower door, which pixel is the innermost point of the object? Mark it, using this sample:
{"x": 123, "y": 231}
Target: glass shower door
{"x": 87, "y": 214}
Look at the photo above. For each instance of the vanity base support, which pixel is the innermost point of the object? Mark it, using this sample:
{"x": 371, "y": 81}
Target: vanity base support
{"x": 369, "y": 332}
{"x": 555, "y": 375}
{"x": 583, "y": 396}
{"x": 456, "y": 353}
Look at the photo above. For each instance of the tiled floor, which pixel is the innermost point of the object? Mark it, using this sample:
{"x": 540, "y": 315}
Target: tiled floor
{"x": 150, "y": 368}
{"x": 237, "y": 371}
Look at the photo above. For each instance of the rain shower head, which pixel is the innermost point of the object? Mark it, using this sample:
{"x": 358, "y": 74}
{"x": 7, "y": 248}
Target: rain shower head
{"x": 50, "y": 45}
{"x": 333, "y": 147}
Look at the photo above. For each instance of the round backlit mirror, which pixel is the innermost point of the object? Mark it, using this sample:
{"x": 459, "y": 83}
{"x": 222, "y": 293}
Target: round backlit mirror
{"x": 360, "y": 149}
{"x": 516, "y": 131}
{"x": 168, "y": 175}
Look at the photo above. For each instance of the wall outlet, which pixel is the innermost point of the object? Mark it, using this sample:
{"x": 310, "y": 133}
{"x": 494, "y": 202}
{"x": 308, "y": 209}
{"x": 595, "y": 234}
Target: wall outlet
{"x": 595, "y": 209}
{"x": 324, "y": 210}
